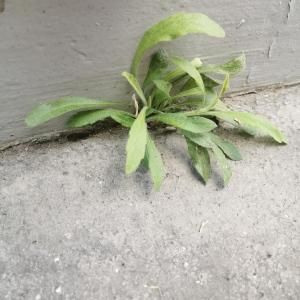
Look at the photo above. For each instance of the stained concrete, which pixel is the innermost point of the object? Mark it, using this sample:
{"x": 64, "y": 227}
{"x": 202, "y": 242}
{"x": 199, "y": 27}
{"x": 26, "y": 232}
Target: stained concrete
{"x": 53, "y": 48}
{"x": 73, "y": 226}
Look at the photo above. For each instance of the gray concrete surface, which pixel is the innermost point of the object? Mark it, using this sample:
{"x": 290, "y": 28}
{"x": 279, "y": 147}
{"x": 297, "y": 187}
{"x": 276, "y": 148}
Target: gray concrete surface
{"x": 52, "y": 48}
{"x": 73, "y": 226}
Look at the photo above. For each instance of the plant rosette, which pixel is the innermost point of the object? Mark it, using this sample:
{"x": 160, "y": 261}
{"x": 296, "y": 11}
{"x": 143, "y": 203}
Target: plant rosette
{"x": 175, "y": 92}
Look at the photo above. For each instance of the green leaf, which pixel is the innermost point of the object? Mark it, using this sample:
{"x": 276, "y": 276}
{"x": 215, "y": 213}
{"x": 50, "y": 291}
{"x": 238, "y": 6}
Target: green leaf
{"x": 55, "y": 108}
{"x": 188, "y": 93}
{"x": 192, "y": 124}
{"x": 200, "y": 159}
{"x": 228, "y": 148}
{"x": 251, "y": 122}
{"x": 203, "y": 101}
{"x": 173, "y": 27}
{"x": 225, "y": 86}
{"x": 204, "y": 141}
{"x": 136, "y": 86}
{"x": 232, "y": 67}
{"x": 199, "y": 139}
{"x": 154, "y": 163}
{"x": 136, "y": 144}
{"x": 91, "y": 117}
{"x": 190, "y": 69}
{"x": 210, "y": 82}
{"x": 222, "y": 162}
{"x": 164, "y": 87}
{"x": 161, "y": 93}
{"x": 221, "y": 106}
{"x": 235, "y": 66}
{"x": 126, "y": 120}
{"x": 158, "y": 63}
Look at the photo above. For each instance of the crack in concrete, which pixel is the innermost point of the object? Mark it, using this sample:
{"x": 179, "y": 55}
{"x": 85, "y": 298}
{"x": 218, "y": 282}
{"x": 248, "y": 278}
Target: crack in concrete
{"x": 271, "y": 46}
{"x": 290, "y": 9}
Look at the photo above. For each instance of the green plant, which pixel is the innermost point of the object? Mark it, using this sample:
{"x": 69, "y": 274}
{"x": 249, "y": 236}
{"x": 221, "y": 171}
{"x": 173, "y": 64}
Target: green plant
{"x": 175, "y": 92}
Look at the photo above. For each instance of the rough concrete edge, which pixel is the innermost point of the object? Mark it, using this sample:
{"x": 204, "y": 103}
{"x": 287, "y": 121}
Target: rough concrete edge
{"x": 76, "y": 133}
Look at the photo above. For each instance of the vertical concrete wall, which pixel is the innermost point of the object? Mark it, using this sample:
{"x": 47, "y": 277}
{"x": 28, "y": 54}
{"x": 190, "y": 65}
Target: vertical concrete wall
{"x": 51, "y": 48}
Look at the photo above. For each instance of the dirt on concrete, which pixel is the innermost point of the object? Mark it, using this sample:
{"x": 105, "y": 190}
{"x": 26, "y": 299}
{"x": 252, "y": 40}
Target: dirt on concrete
{"x": 73, "y": 226}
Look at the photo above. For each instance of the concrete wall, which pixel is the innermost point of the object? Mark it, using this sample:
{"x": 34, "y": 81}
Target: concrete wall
{"x": 51, "y": 48}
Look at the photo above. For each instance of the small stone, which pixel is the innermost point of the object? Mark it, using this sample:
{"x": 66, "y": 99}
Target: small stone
{"x": 68, "y": 235}
{"x": 58, "y": 290}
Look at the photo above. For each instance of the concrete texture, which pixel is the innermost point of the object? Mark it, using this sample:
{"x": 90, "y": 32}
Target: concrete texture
{"x": 52, "y": 48}
{"x": 73, "y": 226}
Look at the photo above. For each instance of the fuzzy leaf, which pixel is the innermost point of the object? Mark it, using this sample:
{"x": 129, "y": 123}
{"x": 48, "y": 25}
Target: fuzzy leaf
{"x": 199, "y": 139}
{"x": 91, "y": 117}
{"x": 56, "y": 108}
{"x": 154, "y": 163}
{"x": 228, "y": 148}
{"x": 158, "y": 63}
{"x": 232, "y": 67}
{"x": 250, "y": 121}
{"x": 126, "y": 120}
{"x": 190, "y": 69}
{"x": 201, "y": 160}
{"x": 136, "y": 144}
{"x": 225, "y": 86}
{"x": 235, "y": 66}
{"x": 210, "y": 82}
{"x": 222, "y": 162}
{"x": 191, "y": 124}
{"x": 204, "y": 141}
{"x": 164, "y": 87}
{"x": 136, "y": 86}
{"x": 221, "y": 106}
{"x": 188, "y": 93}
{"x": 173, "y": 27}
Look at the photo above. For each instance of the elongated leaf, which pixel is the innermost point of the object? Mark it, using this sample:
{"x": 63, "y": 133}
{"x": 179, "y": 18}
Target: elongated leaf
{"x": 178, "y": 74}
{"x": 198, "y": 139}
{"x": 228, "y": 148}
{"x": 164, "y": 87}
{"x": 188, "y": 93}
{"x": 221, "y": 106}
{"x": 250, "y": 121}
{"x": 158, "y": 63}
{"x": 161, "y": 93}
{"x": 225, "y": 86}
{"x": 207, "y": 102}
{"x": 91, "y": 117}
{"x": 192, "y": 124}
{"x": 154, "y": 163}
{"x": 235, "y": 66}
{"x": 204, "y": 141}
{"x": 222, "y": 162}
{"x": 201, "y": 160}
{"x": 136, "y": 144}
{"x": 189, "y": 84}
{"x": 210, "y": 82}
{"x": 232, "y": 67}
{"x": 125, "y": 120}
{"x": 55, "y": 108}
{"x": 190, "y": 69}
{"x": 136, "y": 86}
{"x": 173, "y": 27}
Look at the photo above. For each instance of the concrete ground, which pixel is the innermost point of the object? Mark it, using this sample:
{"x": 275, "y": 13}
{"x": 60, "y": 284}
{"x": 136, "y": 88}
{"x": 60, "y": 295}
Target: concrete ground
{"x": 73, "y": 226}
